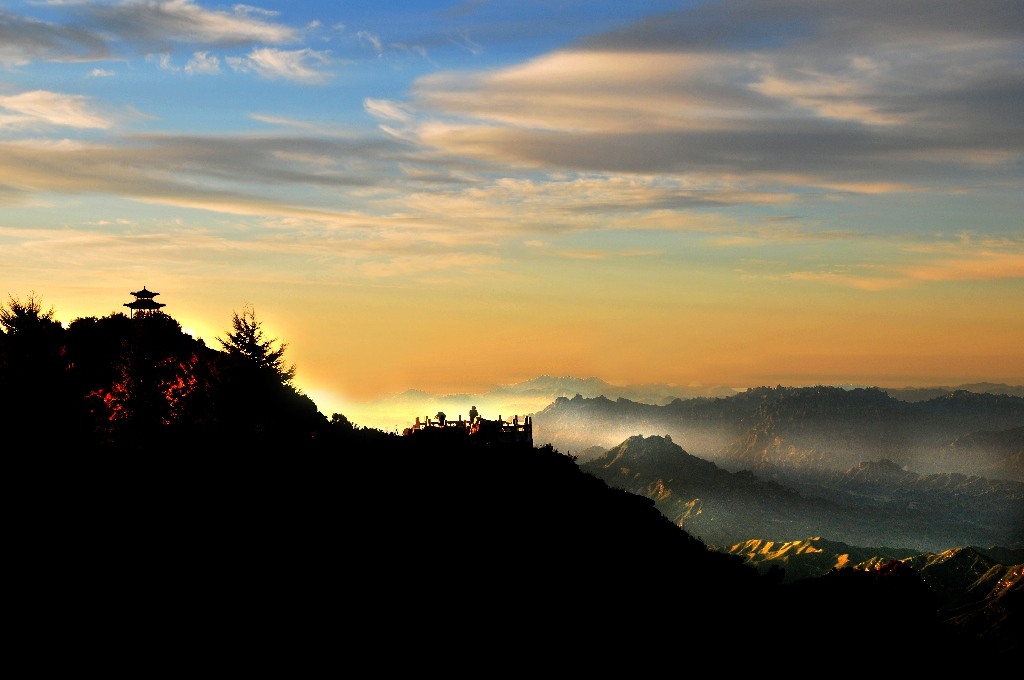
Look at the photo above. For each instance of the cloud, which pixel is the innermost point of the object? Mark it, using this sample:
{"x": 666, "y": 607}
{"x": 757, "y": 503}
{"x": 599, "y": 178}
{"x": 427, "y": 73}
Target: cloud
{"x": 183, "y": 21}
{"x": 959, "y": 261}
{"x": 984, "y": 266}
{"x": 43, "y": 108}
{"x": 245, "y": 10}
{"x": 96, "y": 31}
{"x": 870, "y": 284}
{"x": 164, "y": 60}
{"x": 673, "y": 125}
{"x": 312, "y": 128}
{"x": 595, "y": 255}
{"x": 418, "y": 50}
{"x": 836, "y": 96}
{"x": 388, "y": 110}
{"x": 373, "y": 40}
{"x": 203, "y": 62}
{"x": 101, "y": 73}
{"x": 244, "y": 174}
{"x": 840, "y": 93}
{"x": 298, "y": 65}
{"x": 624, "y": 203}
{"x": 23, "y": 40}
{"x": 462, "y": 39}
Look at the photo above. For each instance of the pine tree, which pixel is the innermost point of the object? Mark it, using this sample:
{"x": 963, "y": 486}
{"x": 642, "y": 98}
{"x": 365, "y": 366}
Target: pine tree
{"x": 249, "y": 342}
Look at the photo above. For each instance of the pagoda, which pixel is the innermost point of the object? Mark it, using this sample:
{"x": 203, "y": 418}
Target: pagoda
{"x": 144, "y": 304}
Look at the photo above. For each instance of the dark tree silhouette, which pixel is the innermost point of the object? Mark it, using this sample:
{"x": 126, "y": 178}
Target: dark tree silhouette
{"x": 260, "y": 404}
{"x": 27, "y": 317}
{"x": 35, "y": 390}
{"x": 249, "y": 342}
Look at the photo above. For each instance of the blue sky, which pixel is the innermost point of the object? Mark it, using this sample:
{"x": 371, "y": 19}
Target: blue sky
{"x": 452, "y": 195}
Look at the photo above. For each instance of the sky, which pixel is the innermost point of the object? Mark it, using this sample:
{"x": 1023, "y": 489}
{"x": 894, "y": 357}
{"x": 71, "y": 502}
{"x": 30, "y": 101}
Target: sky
{"x": 450, "y": 196}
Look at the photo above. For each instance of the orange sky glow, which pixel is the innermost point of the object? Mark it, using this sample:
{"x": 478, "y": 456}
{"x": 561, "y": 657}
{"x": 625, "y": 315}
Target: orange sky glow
{"x": 448, "y": 198}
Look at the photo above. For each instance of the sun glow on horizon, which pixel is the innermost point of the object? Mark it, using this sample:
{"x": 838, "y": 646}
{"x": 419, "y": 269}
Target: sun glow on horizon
{"x": 645, "y": 193}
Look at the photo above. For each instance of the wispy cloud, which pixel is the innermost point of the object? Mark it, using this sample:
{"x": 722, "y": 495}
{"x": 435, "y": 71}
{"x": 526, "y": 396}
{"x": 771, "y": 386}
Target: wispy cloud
{"x": 41, "y": 108}
{"x": 388, "y": 110}
{"x": 982, "y": 266}
{"x": 462, "y": 39}
{"x": 23, "y": 40}
{"x": 184, "y": 21}
{"x": 96, "y": 31}
{"x": 240, "y": 175}
{"x": 588, "y": 203}
{"x": 203, "y": 62}
{"x": 671, "y": 125}
{"x": 856, "y": 99}
{"x": 298, "y": 65}
{"x": 957, "y": 261}
{"x": 245, "y": 10}
{"x": 372, "y": 40}
{"x": 594, "y": 254}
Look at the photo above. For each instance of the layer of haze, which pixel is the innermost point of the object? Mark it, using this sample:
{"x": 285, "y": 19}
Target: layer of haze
{"x": 449, "y": 196}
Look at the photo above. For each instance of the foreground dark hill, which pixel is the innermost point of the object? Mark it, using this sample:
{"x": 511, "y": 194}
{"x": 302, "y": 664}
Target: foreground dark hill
{"x": 449, "y": 551}
{"x": 177, "y": 507}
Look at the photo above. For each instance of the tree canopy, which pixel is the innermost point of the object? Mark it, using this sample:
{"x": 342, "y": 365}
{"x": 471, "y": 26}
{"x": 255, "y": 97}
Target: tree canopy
{"x": 142, "y": 384}
{"x": 247, "y": 340}
{"x": 20, "y": 317}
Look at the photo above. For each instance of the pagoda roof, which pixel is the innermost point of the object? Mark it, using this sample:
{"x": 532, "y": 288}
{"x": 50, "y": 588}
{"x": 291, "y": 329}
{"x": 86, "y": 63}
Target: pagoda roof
{"x": 145, "y": 304}
{"x": 144, "y": 293}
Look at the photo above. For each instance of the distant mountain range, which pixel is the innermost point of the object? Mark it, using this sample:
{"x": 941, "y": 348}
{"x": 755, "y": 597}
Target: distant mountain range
{"x": 788, "y": 433}
{"x": 393, "y": 412}
{"x": 871, "y": 504}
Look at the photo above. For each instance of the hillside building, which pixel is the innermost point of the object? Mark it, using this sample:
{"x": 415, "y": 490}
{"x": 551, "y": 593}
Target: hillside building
{"x": 478, "y": 428}
{"x": 144, "y": 304}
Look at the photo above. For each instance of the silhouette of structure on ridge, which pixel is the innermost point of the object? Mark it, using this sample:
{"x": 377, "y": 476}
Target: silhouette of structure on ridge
{"x": 477, "y": 427}
{"x": 144, "y": 304}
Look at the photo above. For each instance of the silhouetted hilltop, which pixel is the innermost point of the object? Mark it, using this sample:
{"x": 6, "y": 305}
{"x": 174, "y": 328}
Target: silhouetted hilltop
{"x": 170, "y": 492}
{"x": 118, "y": 383}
